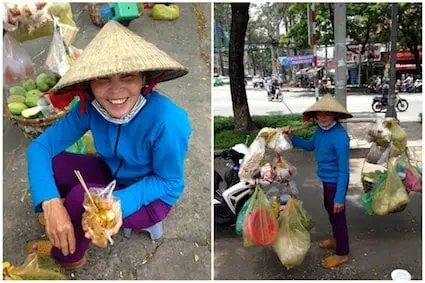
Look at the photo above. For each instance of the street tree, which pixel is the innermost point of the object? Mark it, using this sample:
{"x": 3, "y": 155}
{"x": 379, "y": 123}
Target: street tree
{"x": 410, "y": 27}
{"x": 239, "y": 23}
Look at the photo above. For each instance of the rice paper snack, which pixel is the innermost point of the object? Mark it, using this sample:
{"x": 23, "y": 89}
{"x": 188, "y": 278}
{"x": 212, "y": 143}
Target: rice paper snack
{"x": 278, "y": 141}
{"x": 250, "y": 165}
{"x": 378, "y": 133}
{"x": 103, "y": 215}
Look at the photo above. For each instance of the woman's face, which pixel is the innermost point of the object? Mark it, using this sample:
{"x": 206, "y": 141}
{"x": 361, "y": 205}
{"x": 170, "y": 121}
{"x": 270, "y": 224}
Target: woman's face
{"x": 118, "y": 93}
{"x": 325, "y": 119}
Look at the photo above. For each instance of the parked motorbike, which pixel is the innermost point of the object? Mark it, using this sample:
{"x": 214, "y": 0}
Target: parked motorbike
{"x": 259, "y": 84}
{"x": 229, "y": 200}
{"x": 324, "y": 89}
{"x": 374, "y": 88}
{"x": 415, "y": 87}
{"x": 274, "y": 93}
{"x": 381, "y": 102}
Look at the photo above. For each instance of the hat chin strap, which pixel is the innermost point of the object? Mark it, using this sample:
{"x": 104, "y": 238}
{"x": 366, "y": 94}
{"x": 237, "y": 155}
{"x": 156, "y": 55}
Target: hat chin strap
{"x": 153, "y": 83}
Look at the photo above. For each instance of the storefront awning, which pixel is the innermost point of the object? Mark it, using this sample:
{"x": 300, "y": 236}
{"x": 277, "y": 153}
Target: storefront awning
{"x": 402, "y": 67}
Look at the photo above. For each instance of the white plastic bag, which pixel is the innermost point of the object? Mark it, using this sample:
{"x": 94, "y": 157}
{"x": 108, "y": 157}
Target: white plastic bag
{"x": 17, "y": 63}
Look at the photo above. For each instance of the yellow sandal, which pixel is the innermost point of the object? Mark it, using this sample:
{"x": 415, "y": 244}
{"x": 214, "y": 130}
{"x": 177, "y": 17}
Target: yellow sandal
{"x": 41, "y": 219}
{"x": 329, "y": 244}
{"x": 332, "y": 261}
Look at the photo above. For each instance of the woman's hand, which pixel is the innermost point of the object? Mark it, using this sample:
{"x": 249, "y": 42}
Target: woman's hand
{"x": 338, "y": 207}
{"x": 287, "y": 131}
{"x": 59, "y": 228}
{"x": 101, "y": 241}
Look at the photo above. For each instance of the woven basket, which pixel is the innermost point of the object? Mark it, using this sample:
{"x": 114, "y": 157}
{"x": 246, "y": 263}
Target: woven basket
{"x": 94, "y": 13}
{"x": 32, "y": 128}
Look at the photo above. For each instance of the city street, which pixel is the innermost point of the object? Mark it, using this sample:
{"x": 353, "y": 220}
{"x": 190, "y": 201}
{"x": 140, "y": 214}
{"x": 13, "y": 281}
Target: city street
{"x": 379, "y": 244}
{"x": 297, "y": 100}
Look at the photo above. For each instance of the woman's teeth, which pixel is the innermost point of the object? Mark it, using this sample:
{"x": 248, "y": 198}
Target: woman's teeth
{"x": 117, "y": 101}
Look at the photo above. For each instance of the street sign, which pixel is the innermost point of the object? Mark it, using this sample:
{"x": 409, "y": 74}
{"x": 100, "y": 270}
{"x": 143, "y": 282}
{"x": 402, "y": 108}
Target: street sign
{"x": 296, "y": 60}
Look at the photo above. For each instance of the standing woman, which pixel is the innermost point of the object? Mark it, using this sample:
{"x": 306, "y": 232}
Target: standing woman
{"x": 331, "y": 144}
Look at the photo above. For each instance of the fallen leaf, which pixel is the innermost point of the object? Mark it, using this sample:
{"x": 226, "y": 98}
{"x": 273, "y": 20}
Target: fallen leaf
{"x": 24, "y": 194}
{"x": 196, "y": 245}
{"x": 196, "y": 257}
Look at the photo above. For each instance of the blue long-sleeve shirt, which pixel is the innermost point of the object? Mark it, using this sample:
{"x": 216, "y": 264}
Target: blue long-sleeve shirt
{"x": 332, "y": 151}
{"x": 147, "y": 154}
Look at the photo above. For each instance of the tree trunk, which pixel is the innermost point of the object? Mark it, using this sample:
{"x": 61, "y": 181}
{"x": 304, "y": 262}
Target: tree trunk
{"x": 240, "y": 17}
{"x": 220, "y": 58}
{"x": 415, "y": 51}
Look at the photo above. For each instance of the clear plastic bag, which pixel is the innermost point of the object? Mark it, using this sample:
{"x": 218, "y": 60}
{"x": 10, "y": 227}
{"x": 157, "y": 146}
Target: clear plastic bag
{"x": 398, "y": 135}
{"x": 165, "y": 13}
{"x": 266, "y": 172}
{"x": 17, "y": 63}
{"x": 250, "y": 165}
{"x": 293, "y": 239}
{"x": 413, "y": 180}
{"x": 391, "y": 194}
{"x": 43, "y": 26}
{"x": 260, "y": 225}
{"x": 34, "y": 268}
{"x": 103, "y": 215}
{"x": 278, "y": 142}
{"x": 241, "y": 218}
{"x": 59, "y": 59}
{"x": 378, "y": 133}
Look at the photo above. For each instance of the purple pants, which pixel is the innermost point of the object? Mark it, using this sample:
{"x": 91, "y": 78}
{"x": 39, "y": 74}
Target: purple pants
{"x": 338, "y": 221}
{"x": 96, "y": 174}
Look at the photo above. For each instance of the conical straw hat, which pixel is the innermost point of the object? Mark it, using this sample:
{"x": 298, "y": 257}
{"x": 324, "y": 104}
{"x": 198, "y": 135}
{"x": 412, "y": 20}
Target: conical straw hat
{"x": 117, "y": 50}
{"x": 328, "y": 104}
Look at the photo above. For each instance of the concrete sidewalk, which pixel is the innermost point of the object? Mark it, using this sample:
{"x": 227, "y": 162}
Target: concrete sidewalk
{"x": 184, "y": 251}
{"x": 379, "y": 244}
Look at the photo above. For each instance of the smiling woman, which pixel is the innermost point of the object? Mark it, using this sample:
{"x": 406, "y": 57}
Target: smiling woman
{"x": 141, "y": 138}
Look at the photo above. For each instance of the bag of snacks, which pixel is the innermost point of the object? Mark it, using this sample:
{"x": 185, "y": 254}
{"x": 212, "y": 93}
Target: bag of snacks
{"x": 260, "y": 225}
{"x": 102, "y": 212}
{"x": 390, "y": 195}
{"x": 378, "y": 133}
{"x": 293, "y": 239}
{"x": 250, "y": 165}
{"x": 17, "y": 63}
{"x": 34, "y": 268}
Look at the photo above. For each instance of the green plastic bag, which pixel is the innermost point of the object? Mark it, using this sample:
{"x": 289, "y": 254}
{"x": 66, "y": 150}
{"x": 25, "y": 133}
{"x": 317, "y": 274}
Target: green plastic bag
{"x": 241, "y": 218}
{"x": 165, "y": 13}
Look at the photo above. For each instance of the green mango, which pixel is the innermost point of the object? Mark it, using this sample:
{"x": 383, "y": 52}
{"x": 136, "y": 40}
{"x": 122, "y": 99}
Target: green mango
{"x": 16, "y": 107}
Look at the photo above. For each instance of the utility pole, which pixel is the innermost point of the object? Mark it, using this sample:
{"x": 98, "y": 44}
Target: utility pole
{"x": 340, "y": 53}
{"x": 394, "y": 24}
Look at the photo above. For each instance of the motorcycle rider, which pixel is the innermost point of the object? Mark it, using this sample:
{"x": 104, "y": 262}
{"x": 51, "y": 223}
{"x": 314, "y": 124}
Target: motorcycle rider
{"x": 274, "y": 87}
